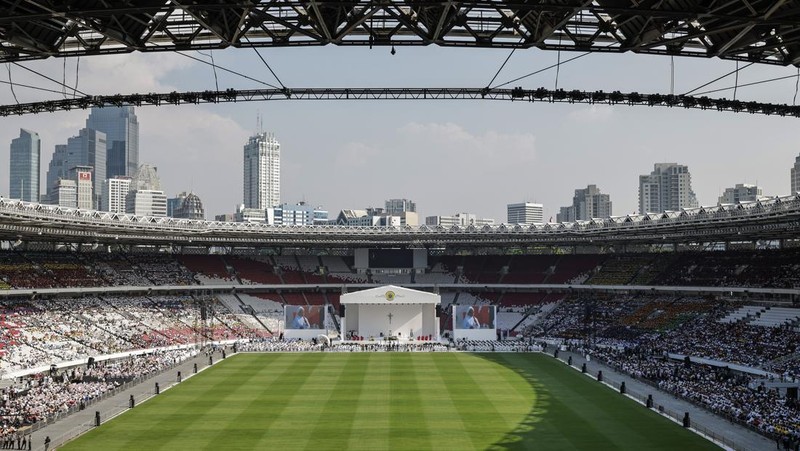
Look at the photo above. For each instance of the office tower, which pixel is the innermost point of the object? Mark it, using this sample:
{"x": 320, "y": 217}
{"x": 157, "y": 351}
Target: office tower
{"x": 121, "y": 128}
{"x": 115, "y": 190}
{"x": 24, "y": 166}
{"x": 262, "y": 172}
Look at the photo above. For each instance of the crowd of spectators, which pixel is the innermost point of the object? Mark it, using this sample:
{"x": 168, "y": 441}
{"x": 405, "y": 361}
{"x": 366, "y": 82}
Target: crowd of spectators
{"x": 738, "y": 396}
{"x": 46, "y": 395}
{"x": 496, "y": 346}
{"x": 38, "y": 333}
{"x": 624, "y": 334}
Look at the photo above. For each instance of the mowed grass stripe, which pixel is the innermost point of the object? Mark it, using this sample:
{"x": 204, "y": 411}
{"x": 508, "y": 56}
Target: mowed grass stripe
{"x": 409, "y": 428}
{"x": 306, "y": 395}
{"x": 477, "y": 411}
{"x": 493, "y": 395}
{"x": 580, "y": 413}
{"x": 333, "y": 425}
{"x": 370, "y": 427}
{"x": 187, "y": 407}
{"x": 378, "y": 401}
{"x": 445, "y": 425}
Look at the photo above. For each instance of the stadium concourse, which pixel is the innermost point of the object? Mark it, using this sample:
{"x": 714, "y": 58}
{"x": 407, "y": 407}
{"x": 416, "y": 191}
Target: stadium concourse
{"x": 134, "y": 314}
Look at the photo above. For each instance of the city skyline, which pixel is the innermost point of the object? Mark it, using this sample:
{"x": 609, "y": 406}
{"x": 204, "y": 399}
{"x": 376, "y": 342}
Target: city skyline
{"x": 454, "y": 156}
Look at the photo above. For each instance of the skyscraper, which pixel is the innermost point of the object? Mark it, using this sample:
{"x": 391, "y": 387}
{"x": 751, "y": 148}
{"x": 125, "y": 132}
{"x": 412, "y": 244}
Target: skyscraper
{"x": 587, "y": 203}
{"x": 56, "y": 170}
{"x": 262, "y": 172}
{"x": 795, "y": 175}
{"x": 89, "y": 149}
{"x": 668, "y": 187}
{"x": 24, "y": 166}
{"x": 121, "y": 128}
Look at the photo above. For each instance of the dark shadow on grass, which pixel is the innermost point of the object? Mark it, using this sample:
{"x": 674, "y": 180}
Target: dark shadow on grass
{"x": 523, "y": 435}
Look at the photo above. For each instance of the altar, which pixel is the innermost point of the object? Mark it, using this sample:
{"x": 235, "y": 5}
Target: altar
{"x": 390, "y": 312}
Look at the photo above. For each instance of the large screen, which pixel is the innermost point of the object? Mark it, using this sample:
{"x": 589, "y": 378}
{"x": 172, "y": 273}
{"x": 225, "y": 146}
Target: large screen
{"x": 391, "y": 258}
{"x": 305, "y": 316}
{"x": 474, "y": 317}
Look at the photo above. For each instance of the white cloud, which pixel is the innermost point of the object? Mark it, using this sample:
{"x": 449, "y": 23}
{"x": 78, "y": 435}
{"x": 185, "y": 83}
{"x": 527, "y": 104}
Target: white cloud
{"x": 455, "y": 140}
{"x": 593, "y": 113}
{"x": 354, "y": 155}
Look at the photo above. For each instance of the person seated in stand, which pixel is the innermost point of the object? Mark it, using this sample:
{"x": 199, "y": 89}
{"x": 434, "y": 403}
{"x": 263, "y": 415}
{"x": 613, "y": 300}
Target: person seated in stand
{"x": 300, "y": 320}
{"x": 470, "y": 322}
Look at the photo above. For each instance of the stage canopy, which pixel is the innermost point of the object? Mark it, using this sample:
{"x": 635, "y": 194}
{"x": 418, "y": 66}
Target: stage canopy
{"x": 390, "y": 311}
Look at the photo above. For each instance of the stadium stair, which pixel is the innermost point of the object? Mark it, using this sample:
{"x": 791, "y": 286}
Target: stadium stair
{"x": 248, "y": 309}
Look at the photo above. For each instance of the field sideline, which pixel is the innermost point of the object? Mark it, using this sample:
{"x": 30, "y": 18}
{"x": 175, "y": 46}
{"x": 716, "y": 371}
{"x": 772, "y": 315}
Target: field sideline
{"x": 382, "y": 401}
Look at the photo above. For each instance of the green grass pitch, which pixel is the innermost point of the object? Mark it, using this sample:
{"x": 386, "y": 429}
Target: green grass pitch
{"x": 389, "y": 401}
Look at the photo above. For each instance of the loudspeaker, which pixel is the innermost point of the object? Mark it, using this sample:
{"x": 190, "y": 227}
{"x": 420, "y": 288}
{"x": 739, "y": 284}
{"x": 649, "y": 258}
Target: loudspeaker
{"x": 341, "y": 310}
{"x": 438, "y": 311}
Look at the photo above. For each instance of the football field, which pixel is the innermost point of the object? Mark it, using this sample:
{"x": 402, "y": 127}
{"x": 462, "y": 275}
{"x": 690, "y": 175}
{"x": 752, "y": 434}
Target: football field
{"x": 389, "y": 401}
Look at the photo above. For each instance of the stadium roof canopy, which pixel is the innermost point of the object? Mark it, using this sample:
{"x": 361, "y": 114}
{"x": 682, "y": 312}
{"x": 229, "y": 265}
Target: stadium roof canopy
{"x": 775, "y": 218}
{"x": 764, "y": 31}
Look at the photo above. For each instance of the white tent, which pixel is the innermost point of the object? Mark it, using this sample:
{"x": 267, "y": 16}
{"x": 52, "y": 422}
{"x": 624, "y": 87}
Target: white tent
{"x": 391, "y": 311}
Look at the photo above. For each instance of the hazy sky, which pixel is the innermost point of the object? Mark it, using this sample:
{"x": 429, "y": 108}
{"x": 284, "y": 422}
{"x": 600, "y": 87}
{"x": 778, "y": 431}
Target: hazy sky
{"x": 449, "y": 157}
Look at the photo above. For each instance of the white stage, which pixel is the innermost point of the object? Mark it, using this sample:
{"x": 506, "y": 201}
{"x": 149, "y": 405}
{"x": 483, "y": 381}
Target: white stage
{"x": 390, "y": 311}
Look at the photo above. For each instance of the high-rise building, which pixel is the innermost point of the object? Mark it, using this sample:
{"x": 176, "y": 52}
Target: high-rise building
{"x": 75, "y": 190}
{"x": 25, "y": 166}
{"x": 145, "y": 197}
{"x": 668, "y": 187}
{"x": 262, "y": 172}
{"x": 121, "y": 128}
{"x": 458, "y": 219}
{"x": 57, "y": 169}
{"x": 64, "y": 193}
{"x": 587, "y": 203}
{"x": 186, "y": 206}
{"x": 399, "y": 206}
{"x": 89, "y": 149}
{"x": 84, "y": 188}
{"x": 115, "y": 189}
{"x": 742, "y": 192}
{"x": 525, "y": 213}
{"x": 795, "y": 176}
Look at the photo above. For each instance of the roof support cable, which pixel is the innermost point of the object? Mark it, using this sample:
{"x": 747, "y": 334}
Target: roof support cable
{"x": 210, "y": 55}
{"x": 718, "y": 79}
{"x": 77, "y": 76}
{"x": 266, "y": 64}
{"x": 558, "y": 63}
{"x": 504, "y": 64}
{"x": 74, "y": 88}
{"x": 228, "y": 70}
{"x": 11, "y": 82}
{"x": 769, "y": 80}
